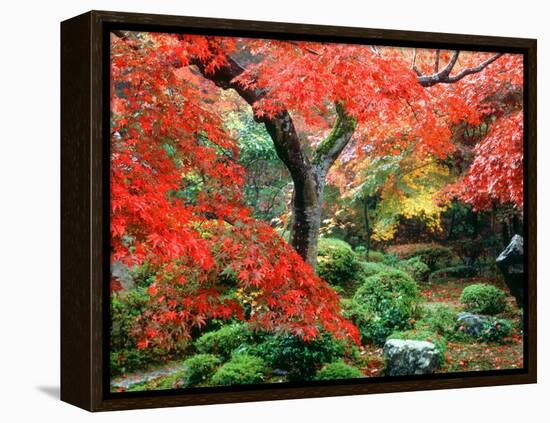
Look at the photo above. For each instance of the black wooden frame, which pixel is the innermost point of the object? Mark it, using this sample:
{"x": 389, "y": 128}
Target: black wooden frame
{"x": 85, "y": 211}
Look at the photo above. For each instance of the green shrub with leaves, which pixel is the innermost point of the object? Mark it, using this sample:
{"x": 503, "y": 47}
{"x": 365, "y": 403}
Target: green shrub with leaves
{"x": 385, "y": 302}
{"x": 367, "y": 269}
{"x": 299, "y": 358}
{"x": 483, "y": 298}
{"x": 198, "y": 369}
{"x": 439, "y": 341}
{"x": 338, "y": 370}
{"x": 454, "y": 272}
{"x": 224, "y": 341}
{"x": 242, "y": 369}
{"x": 336, "y": 261}
{"x": 415, "y": 267}
{"x": 438, "y": 318}
{"x": 496, "y": 330}
{"x": 434, "y": 255}
{"x": 375, "y": 257}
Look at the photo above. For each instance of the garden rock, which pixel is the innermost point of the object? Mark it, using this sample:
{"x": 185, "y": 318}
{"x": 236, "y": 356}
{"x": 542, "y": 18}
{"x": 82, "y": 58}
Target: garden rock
{"x": 408, "y": 357}
{"x": 472, "y": 324}
{"x": 510, "y": 263}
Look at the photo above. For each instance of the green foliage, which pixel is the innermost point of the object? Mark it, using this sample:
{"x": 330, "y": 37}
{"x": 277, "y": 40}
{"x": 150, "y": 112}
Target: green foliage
{"x": 472, "y": 251}
{"x": 199, "y": 368}
{"x": 384, "y": 302}
{"x": 375, "y": 257}
{"x": 497, "y": 330}
{"x": 438, "y": 318}
{"x": 124, "y": 354}
{"x": 300, "y": 358}
{"x": 424, "y": 335}
{"x": 242, "y": 369}
{"x": 225, "y": 340}
{"x": 336, "y": 261}
{"x": 434, "y": 255}
{"x": 391, "y": 259}
{"x": 337, "y": 370}
{"x": 484, "y": 299}
{"x": 454, "y": 272}
{"x": 367, "y": 269}
{"x": 415, "y": 267}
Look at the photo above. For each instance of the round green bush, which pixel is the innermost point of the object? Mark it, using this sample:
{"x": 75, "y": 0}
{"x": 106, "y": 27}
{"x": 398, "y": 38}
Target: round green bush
{"x": 483, "y": 298}
{"x": 367, "y": 269}
{"x": 199, "y": 368}
{"x": 225, "y": 340}
{"x": 375, "y": 257}
{"x": 385, "y": 302}
{"x": 337, "y": 370}
{"x": 454, "y": 272}
{"x": 336, "y": 261}
{"x": 434, "y": 255}
{"x": 242, "y": 369}
{"x": 299, "y": 358}
{"x": 439, "y": 341}
{"x": 415, "y": 267}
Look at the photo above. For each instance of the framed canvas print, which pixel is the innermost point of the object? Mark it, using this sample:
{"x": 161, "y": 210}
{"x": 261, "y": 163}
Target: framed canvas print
{"x": 256, "y": 211}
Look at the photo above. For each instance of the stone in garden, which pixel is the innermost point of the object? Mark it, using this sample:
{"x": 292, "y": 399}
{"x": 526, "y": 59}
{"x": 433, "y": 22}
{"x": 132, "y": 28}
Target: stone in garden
{"x": 510, "y": 263}
{"x": 472, "y": 324}
{"x": 409, "y": 357}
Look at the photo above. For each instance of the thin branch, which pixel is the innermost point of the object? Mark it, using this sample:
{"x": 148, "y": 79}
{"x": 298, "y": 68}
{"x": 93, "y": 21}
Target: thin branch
{"x": 436, "y": 65}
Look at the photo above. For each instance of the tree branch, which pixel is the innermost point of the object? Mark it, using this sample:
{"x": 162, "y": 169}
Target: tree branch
{"x": 330, "y": 148}
{"x": 280, "y": 127}
{"x": 444, "y": 76}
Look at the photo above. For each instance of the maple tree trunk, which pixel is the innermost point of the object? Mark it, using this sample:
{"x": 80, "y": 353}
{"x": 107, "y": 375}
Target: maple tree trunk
{"x": 308, "y": 173}
{"x": 307, "y": 204}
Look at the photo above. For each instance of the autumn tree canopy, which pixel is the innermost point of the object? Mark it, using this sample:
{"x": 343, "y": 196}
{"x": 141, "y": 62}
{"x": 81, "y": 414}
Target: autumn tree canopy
{"x": 337, "y": 113}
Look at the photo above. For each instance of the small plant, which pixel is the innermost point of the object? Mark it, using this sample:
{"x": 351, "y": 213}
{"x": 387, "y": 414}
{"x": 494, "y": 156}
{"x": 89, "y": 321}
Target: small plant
{"x": 423, "y": 335}
{"x": 384, "y": 303}
{"x": 198, "y": 369}
{"x": 336, "y": 261}
{"x": 497, "y": 330}
{"x": 415, "y": 267}
{"x": 484, "y": 299}
{"x": 337, "y": 370}
{"x": 367, "y": 269}
{"x": 454, "y": 272}
{"x": 438, "y": 318}
{"x": 242, "y": 369}
{"x": 225, "y": 340}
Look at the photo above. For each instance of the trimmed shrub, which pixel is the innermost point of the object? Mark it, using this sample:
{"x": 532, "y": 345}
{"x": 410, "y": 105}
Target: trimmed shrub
{"x": 434, "y": 255}
{"x": 225, "y": 340}
{"x": 455, "y": 272}
{"x": 415, "y": 267}
{"x": 367, "y": 269}
{"x": 299, "y": 358}
{"x": 375, "y": 257}
{"x": 483, "y": 298}
{"x": 337, "y": 370}
{"x": 242, "y": 369}
{"x": 384, "y": 302}
{"x": 198, "y": 369}
{"x": 424, "y": 335}
{"x": 336, "y": 261}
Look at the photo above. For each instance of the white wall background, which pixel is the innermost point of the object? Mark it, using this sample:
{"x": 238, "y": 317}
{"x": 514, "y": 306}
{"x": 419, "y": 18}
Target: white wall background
{"x": 29, "y": 231}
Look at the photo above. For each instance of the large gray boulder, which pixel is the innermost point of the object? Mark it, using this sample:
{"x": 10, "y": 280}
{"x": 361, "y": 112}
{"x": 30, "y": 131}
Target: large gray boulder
{"x": 408, "y": 357}
{"x": 510, "y": 263}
